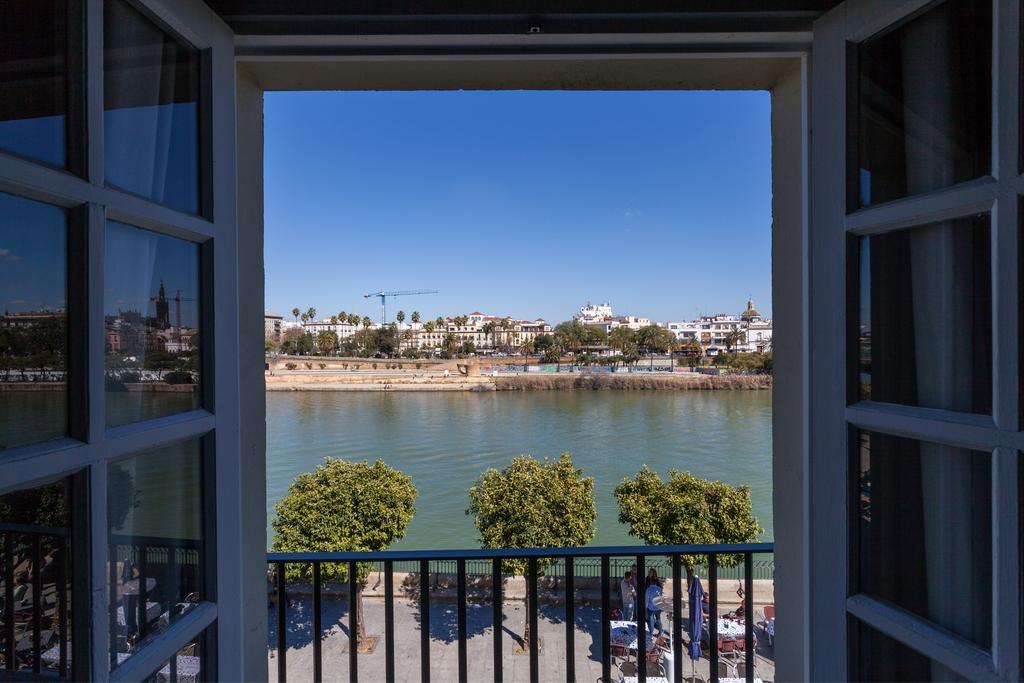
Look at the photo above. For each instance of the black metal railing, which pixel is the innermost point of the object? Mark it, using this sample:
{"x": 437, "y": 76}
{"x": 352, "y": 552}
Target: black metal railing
{"x": 35, "y": 578}
{"x": 430, "y": 563}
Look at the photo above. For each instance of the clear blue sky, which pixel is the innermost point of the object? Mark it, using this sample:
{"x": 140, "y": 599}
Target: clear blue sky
{"x": 519, "y": 203}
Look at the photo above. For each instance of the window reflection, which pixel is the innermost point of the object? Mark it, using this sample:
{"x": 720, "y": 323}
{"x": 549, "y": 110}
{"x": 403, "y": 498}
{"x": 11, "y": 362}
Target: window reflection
{"x": 186, "y": 666}
{"x": 925, "y": 335}
{"x": 882, "y": 659}
{"x": 151, "y": 109}
{"x": 35, "y": 574}
{"x": 33, "y": 78}
{"x": 154, "y": 517}
{"x": 33, "y": 321}
{"x": 924, "y": 525}
{"x": 152, "y": 324}
{"x": 925, "y": 110}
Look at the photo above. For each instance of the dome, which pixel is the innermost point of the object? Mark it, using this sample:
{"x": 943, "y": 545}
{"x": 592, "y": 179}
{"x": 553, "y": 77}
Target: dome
{"x": 751, "y": 312}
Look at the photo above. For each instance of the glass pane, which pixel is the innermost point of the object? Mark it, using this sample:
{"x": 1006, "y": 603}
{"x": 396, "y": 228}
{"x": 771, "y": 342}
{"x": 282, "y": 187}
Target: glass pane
{"x": 35, "y": 574}
{"x": 33, "y": 321}
{"x": 33, "y": 78}
{"x": 151, "y": 109}
{"x": 151, "y": 308}
{"x": 155, "y": 522}
{"x": 925, "y": 334}
{"x": 882, "y": 659}
{"x": 186, "y": 666}
{"x": 923, "y": 536}
{"x": 925, "y": 109}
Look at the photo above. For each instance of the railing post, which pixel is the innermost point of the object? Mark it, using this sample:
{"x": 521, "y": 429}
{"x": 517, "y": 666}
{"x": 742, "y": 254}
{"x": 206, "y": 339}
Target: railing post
{"x": 37, "y": 603}
{"x": 641, "y": 619}
{"x": 534, "y": 641}
{"x": 497, "y": 614}
{"x": 677, "y": 619}
{"x": 748, "y": 610}
{"x": 282, "y": 627}
{"x": 424, "y": 621}
{"x": 389, "y": 621}
{"x": 353, "y": 622}
{"x": 318, "y": 672}
{"x": 460, "y": 568}
{"x": 570, "y": 621}
{"x": 606, "y": 627}
{"x": 713, "y": 614}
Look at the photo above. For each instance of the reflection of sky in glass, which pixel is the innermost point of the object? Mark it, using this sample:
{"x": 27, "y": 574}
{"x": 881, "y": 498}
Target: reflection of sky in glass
{"x": 153, "y": 151}
{"x": 32, "y": 255}
{"x": 138, "y": 261}
{"x": 39, "y": 138}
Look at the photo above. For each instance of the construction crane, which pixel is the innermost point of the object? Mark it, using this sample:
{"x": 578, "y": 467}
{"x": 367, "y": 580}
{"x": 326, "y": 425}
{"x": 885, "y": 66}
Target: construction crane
{"x": 384, "y": 295}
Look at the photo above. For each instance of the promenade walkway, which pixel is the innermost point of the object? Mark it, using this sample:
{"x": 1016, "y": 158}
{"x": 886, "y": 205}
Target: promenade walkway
{"x": 444, "y": 643}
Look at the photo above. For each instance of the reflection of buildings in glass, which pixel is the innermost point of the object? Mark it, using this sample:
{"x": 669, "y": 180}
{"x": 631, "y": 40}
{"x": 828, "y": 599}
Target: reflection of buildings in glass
{"x": 29, "y": 318}
{"x": 163, "y": 309}
{"x": 131, "y": 333}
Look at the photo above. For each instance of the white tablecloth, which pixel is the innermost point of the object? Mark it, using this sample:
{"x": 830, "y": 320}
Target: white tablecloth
{"x": 730, "y": 627}
{"x": 734, "y": 680}
{"x": 624, "y": 633}
{"x": 650, "y": 679}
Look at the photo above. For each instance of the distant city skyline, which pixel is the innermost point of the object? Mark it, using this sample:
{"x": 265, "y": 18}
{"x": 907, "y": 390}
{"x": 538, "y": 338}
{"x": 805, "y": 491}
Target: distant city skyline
{"x": 526, "y": 204}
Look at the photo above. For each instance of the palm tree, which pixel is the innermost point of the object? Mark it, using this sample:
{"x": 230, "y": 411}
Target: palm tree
{"x": 415, "y": 316}
{"x": 296, "y": 312}
{"x": 305, "y": 318}
{"x": 353, "y": 318}
{"x": 429, "y": 327}
{"x": 366, "y": 321}
{"x": 506, "y": 325}
{"x": 334, "y": 320}
{"x": 488, "y": 329}
{"x": 400, "y": 316}
{"x": 342, "y": 317}
{"x": 734, "y": 338}
{"x": 439, "y": 322}
{"x": 311, "y": 313}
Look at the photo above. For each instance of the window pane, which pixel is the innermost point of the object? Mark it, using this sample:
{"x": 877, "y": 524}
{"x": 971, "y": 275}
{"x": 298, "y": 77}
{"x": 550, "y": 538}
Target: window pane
{"x": 151, "y": 307}
{"x": 925, "y": 110}
{"x": 151, "y": 109}
{"x": 35, "y": 573}
{"x": 33, "y": 321}
{"x": 155, "y": 521}
{"x": 33, "y": 78}
{"x": 186, "y": 666}
{"x": 925, "y": 336}
{"x": 882, "y": 659}
{"x": 923, "y": 536}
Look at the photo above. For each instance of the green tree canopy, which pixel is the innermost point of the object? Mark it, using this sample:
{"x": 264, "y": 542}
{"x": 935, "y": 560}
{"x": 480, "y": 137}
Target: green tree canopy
{"x": 344, "y": 506}
{"x": 687, "y": 509}
{"x": 533, "y": 504}
{"x": 655, "y": 338}
{"x": 623, "y": 339}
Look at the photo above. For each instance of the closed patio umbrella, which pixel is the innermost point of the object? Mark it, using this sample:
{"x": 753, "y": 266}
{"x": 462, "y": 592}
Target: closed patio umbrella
{"x": 696, "y": 595}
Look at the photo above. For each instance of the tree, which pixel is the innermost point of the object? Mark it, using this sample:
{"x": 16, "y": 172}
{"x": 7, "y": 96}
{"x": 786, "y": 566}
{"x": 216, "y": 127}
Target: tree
{"x": 342, "y": 317}
{"x": 623, "y": 339}
{"x": 543, "y": 342}
{"x": 400, "y": 316}
{"x": 305, "y": 318}
{"x": 468, "y": 348}
{"x": 653, "y": 338}
{"x": 439, "y": 323}
{"x": 687, "y": 509}
{"x": 488, "y": 329}
{"x": 311, "y": 313}
{"x": 415, "y": 317}
{"x": 353, "y": 318}
{"x": 366, "y": 321}
{"x": 532, "y": 504}
{"x": 450, "y": 345}
{"x": 326, "y": 341}
{"x": 429, "y": 326}
{"x": 295, "y": 312}
{"x": 344, "y": 506}
{"x": 734, "y": 339}
{"x": 570, "y": 335}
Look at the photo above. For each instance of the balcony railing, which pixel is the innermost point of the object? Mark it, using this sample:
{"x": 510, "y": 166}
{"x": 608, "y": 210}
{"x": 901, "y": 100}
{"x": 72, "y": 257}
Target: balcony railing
{"x": 473, "y": 563}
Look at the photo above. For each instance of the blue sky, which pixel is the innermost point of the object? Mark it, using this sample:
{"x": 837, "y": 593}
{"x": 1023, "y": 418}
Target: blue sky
{"x": 519, "y": 203}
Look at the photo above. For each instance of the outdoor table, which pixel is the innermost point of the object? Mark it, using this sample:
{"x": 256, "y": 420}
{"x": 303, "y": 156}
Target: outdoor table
{"x": 651, "y": 679}
{"x": 730, "y": 627}
{"x": 624, "y": 633}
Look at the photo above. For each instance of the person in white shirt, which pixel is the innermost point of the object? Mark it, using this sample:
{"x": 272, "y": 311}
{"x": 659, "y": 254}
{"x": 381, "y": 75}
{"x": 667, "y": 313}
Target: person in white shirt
{"x": 627, "y": 591}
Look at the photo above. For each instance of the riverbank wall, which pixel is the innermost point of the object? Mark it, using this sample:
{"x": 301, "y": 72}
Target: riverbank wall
{"x": 411, "y": 381}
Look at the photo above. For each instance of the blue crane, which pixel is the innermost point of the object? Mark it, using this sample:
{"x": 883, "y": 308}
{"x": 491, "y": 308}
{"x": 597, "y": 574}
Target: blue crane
{"x": 384, "y": 295}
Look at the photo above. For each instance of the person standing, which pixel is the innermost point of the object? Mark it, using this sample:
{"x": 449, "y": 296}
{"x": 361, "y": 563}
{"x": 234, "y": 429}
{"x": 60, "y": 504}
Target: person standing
{"x": 651, "y": 597}
{"x": 627, "y": 591}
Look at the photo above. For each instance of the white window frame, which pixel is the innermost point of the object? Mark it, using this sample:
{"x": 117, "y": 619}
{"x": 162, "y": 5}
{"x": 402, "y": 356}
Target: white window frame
{"x": 831, "y": 604}
{"x": 218, "y": 421}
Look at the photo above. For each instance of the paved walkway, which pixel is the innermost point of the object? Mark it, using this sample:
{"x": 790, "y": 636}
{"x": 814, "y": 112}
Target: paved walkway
{"x": 444, "y": 643}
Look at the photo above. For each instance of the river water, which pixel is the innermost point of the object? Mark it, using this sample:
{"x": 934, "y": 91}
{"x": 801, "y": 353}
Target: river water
{"x": 444, "y": 440}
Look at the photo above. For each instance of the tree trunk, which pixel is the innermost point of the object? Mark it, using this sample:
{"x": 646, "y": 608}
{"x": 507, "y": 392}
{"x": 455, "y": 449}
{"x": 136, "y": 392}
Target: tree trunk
{"x": 527, "y": 634}
{"x": 360, "y": 627}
